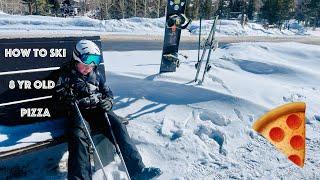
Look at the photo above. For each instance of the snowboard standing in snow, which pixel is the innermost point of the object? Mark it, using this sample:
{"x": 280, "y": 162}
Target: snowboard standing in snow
{"x": 210, "y": 44}
{"x": 175, "y": 21}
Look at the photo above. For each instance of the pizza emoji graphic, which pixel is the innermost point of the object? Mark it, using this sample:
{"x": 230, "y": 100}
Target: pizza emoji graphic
{"x": 284, "y": 127}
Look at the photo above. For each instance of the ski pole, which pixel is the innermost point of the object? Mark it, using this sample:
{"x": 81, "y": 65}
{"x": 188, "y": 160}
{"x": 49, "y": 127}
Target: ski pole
{"x": 91, "y": 141}
{"x": 208, "y": 44}
{"x": 200, "y": 63}
{"x": 200, "y": 27}
{"x": 207, "y": 62}
{"x": 213, "y": 47}
{"x": 117, "y": 146}
{"x": 199, "y": 41}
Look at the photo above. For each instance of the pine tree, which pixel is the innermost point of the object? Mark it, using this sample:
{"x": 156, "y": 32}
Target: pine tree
{"x": 277, "y": 11}
{"x": 30, "y": 4}
{"x": 117, "y": 9}
{"x": 313, "y": 12}
{"x": 270, "y": 11}
{"x": 224, "y": 9}
{"x": 208, "y": 9}
{"x": 286, "y": 8}
{"x": 251, "y": 9}
{"x": 236, "y": 5}
{"x": 43, "y": 7}
{"x": 300, "y": 14}
{"x": 103, "y": 9}
{"x": 55, "y": 5}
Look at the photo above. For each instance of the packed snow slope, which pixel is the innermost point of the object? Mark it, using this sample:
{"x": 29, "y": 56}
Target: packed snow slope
{"x": 205, "y": 131}
{"x": 135, "y": 26}
{"x": 194, "y": 131}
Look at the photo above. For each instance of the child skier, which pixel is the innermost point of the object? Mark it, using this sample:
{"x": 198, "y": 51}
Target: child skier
{"x": 81, "y": 82}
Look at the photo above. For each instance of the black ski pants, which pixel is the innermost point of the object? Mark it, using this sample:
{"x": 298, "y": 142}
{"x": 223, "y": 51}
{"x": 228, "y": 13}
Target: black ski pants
{"x": 79, "y": 166}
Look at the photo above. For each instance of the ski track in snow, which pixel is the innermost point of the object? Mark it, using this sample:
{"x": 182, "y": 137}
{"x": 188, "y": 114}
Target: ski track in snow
{"x": 194, "y": 131}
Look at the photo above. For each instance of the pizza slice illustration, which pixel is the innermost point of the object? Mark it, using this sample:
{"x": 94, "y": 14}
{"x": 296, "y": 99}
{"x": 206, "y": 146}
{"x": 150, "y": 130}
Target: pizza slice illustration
{"x": 284, "y": 127}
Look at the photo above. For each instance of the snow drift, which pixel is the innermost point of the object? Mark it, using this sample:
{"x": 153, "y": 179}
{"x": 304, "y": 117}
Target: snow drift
{"x": 134, "y": 26}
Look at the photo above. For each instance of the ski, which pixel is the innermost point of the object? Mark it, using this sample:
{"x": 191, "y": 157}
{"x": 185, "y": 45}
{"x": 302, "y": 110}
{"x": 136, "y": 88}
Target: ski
{"x": 207, "y": 66}
{"x": 208, "y": 46}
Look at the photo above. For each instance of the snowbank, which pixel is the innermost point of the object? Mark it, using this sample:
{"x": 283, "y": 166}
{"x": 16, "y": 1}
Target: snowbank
{"x": 141, "y": 26}
{"x": 234, "y": 28}
{"x": 205, "y": 132}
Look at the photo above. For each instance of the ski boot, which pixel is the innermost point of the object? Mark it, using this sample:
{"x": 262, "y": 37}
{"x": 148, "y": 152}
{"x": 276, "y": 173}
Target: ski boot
{"x": 147, "y": 174}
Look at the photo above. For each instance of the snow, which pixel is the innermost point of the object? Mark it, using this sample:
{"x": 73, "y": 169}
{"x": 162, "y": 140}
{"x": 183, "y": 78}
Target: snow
{"x": 234, "y": 28}
{"x": 45, "y": 25}
{"x": 204, "y": 132}
{"x": 194, "y": 131}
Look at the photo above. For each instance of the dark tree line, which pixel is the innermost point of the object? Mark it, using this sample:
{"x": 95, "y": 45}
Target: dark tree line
{"x": 41, "y": 7}
{"x": 309, "y": 11}
{"x": 272, "y": 11}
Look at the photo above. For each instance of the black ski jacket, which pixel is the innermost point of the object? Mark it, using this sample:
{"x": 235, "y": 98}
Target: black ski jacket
{"x": 82, "y": 85}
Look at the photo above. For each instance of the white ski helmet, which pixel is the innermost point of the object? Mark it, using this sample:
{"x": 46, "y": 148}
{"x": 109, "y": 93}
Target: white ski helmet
{"x": 87, "y": 52}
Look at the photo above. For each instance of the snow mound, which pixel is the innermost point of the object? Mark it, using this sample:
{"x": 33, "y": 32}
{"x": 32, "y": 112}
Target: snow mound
{"x": 136, "y": 26}
{"x": 234, "y": 28}
{"x": 198, "y": 132}
{"x": 214, "y": 117}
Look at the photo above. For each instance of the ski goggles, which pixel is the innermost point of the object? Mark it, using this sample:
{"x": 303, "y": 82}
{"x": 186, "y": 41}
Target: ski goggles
{"x": 91, "y": 59}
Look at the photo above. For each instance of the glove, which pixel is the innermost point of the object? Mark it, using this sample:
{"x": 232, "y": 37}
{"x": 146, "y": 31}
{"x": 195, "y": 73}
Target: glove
{"x": 90, "y": 102}
{"x": 64, "y": 94}
{"x": 70, "y": 99}
{"x": 106, "y": 104}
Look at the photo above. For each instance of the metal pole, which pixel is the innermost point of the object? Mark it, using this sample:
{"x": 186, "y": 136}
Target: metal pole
{"x": 117, "y": 146}
{"x": 199, "y": 40}
{"x": 212, "y": 46}
{"x": 91, "y": 141}
{"x": 207, "y": 62}
{"x": 206, "y": 46}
